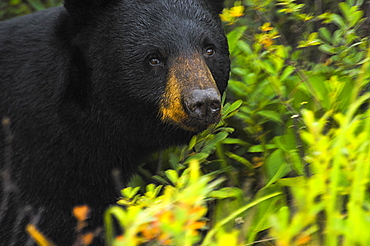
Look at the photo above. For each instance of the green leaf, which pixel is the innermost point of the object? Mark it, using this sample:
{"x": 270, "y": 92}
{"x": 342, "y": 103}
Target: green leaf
{"x": 192, "y": 142}
{"x": 130, "y": 192}
{"x": 227, "y": 192}
{"x": 218, "y": 138}
{"x": 231, "y": 108}
{"x": 284, "y": 215}
{"x": 174, "y": 161}
{"x": 226, "y": 129}
{"x": 200, "y": 157}
{"x": 272, "y": 115}
{"x": 286, "y": 73}
{"x": 297, "y": 162}
{"x": 120, "y": 215}
{"x": 264, "y": 211}
{"x": 234, "y": 36}
{"x": 312, "y": 40}
{"x": 245, "y": 47}
{"x": 152, "y": 191}
{"x": 325, "y": 34}
{"x": 327, "y": 49}
{"x": 211, "y": 233}
{"x": 172, "y": 175}
{"x": 161, "y": 180}
{"x": 261, "y": 148}
{"x": 338, "y": 20}
{"x": 291, "y": 182}
{"x": 241, "y": 160}
{"x": 344, "y": 9}
{"x": 337, "y": 38}
{"x": 285, "y": 142}
{"x": 355, "y": 18}
{"x": 267, "y": 66}
{"x": 276, "y": 166}
{"x": 235, "y": 141}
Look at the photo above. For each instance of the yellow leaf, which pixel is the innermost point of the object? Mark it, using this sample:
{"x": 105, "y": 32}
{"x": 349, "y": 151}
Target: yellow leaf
{"x": 87, "y": 238}
{"x": 237, "y": 11}
{"x": 230, "y": 239}
{"x": 196, "y": 225}
{"x": 81, "y": 213}
{"x": 266, "y": 27}
{"x": 38, "y": 237}
{"x": 304, "y": 240}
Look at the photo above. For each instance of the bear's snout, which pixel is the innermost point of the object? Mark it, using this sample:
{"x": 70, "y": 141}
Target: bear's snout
{"x": 191, "y": 100}
{"x": 203, "y": 106}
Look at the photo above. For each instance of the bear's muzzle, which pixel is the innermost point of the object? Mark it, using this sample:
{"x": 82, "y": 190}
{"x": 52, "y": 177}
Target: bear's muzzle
{"x": 191, "y": 99}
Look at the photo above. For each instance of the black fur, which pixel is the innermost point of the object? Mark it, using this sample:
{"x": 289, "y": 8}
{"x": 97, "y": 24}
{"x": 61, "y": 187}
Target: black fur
{"x": 83, "y": 100}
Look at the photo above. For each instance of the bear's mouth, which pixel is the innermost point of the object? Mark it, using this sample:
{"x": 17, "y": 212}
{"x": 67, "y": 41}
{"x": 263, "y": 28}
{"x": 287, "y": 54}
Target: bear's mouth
{"x": 198, "y": 125}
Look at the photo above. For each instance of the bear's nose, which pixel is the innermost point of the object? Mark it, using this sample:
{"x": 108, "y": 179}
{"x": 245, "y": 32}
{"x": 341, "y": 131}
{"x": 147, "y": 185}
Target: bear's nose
{"x": 203, "y": 105}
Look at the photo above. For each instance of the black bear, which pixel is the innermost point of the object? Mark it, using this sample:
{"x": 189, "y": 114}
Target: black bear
{"x": 95, "y": 86}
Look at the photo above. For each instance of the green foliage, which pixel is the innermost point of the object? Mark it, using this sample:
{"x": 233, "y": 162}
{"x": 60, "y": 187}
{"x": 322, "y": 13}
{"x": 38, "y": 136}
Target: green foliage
{"x": 337, "y": 190}
{"x": 13, "y": 8}
{"x": 174, "y": 217}
{"x": 171, "y": 218}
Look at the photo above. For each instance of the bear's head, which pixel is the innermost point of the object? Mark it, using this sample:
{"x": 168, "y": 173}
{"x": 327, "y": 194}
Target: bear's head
{"x": 160, "y": 61}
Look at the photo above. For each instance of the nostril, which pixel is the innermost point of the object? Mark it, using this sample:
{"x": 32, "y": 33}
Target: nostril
{"x": 194, "y": 106}
{"x": 199, "y": 105}
{"x": 215, "y": 106}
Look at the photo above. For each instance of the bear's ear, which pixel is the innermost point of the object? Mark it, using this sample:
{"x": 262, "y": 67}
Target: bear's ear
{"x": 217, "y": 5}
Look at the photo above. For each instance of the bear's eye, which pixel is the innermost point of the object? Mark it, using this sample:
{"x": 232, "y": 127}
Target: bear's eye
{"x": 210, "y": 52}
{"x": 154, "y": 61}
